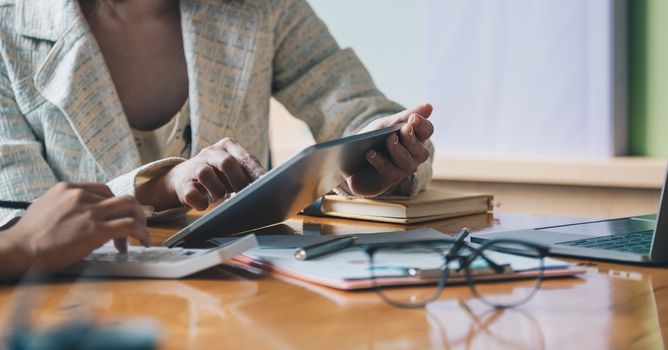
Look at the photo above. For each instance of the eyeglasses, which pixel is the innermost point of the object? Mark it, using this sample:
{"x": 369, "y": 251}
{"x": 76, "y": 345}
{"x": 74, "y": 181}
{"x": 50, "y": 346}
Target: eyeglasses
{"x": 435, "y": 262}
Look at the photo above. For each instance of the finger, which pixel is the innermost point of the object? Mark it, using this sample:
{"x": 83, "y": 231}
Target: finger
{"x": 389, "y": 173}
{"x": 249, "y": 163}
{"x": 79, "y": 196}
{"x": 399, "y": 155}
{"x": 121, "y": 245}
{"x": 423, "y": 127}
{"x": 417, "y": 150}
{"x": 191, "y": 196}
{"x": 126, "y": 227}
{"x": 101, "y": 190}
{"x": 225, "y": 181}
{"x": 207, "y": 177}
{"x": 120, "y": 207}
{"x": 423, "y": 110}
{"x": 229, "y": 169}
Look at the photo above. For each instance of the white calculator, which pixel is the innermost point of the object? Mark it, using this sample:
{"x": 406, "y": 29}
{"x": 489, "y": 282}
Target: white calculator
{"x": 157, "y": 262}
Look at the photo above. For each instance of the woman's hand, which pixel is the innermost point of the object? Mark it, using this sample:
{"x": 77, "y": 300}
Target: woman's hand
{"x": 406, "y": 151}
{"x": 222, "y": 168}
{"x": 69, "y": 221}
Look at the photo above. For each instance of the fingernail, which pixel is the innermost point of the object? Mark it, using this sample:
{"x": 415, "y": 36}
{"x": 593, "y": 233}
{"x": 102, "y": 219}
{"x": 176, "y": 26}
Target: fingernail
{"x": 414, "y": 120}
{"x": 410, "y": 130}
{"x": 395, "y": 139}
{"x": 372, "y": 154}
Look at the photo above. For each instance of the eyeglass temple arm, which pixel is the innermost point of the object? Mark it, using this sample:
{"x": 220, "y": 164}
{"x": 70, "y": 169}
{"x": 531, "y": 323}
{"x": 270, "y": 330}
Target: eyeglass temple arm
{"x": 459, "y": 243}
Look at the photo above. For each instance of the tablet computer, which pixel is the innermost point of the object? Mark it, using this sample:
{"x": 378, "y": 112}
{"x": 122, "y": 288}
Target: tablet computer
{"x": 287, "y": 189}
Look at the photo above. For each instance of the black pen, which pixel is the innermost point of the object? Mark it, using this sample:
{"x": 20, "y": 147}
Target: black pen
{"x": 324, "y": 248}
{"x": 14, "y": 205}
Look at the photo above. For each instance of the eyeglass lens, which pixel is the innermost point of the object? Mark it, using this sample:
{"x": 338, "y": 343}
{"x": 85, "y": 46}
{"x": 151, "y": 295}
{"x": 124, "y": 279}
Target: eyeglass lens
{"x": 423, "y": 268}
{"x": 391, "y": 267}
{"x": 528, "y": 266}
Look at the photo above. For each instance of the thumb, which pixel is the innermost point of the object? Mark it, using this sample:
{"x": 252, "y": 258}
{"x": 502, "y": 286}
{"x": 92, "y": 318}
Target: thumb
{"x": 423, "y": 110}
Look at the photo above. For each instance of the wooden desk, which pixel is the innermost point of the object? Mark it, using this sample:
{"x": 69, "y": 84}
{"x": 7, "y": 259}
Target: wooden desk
{"x": 612, "y": 306}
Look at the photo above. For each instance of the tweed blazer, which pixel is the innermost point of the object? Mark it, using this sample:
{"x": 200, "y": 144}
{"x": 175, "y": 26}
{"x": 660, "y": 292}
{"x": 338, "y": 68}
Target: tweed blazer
{"x": 61, "y": 118}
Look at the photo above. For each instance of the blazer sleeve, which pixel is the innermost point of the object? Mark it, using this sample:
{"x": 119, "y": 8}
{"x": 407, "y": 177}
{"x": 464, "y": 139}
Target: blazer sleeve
{"x": 24, "y": 173}
{"x": 328, "y": 87}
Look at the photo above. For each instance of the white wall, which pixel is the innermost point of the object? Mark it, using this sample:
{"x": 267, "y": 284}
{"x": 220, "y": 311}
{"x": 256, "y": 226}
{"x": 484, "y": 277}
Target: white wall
{"x": 507, "y": 77}
{"x": 388, "y": 36}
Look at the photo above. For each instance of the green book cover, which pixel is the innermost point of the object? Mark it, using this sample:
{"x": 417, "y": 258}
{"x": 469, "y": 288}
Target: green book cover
{"x": 648, "y": 77}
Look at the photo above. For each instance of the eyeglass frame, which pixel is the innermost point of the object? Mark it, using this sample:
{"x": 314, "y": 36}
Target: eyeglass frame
{"x": 456, "y": 245}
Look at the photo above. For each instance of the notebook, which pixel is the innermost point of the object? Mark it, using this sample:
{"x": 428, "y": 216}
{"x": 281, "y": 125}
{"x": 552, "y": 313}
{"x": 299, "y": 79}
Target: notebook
{"x": 426, "y": 206}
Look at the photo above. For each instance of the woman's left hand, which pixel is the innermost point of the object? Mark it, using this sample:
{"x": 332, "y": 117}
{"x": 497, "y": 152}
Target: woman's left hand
{"x": 406, "y": 150}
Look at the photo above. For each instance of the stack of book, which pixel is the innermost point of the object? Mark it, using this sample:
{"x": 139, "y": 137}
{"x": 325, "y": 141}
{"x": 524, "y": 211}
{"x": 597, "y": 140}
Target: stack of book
{"x": 426, "y": 206}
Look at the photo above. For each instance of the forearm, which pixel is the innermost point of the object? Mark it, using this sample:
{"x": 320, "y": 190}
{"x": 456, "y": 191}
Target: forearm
{"x": 147, "y": 185}
{"x": 155, "y": 193}
{"x": 14, "y": 257}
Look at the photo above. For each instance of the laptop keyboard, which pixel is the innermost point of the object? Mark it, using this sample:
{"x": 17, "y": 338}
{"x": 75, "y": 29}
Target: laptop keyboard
{"x": 634, "y": 242}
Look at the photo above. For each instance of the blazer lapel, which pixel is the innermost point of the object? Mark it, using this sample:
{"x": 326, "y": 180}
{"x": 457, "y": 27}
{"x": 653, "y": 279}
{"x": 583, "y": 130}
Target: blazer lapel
{"x": 219, "y": 39}
{"x": 44, "y": 19}
{"x": 74, "y": 77}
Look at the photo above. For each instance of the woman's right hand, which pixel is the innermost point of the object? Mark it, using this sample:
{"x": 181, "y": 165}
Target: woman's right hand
{"x": 222, "y": 168}
{"x": 71, "y": 220}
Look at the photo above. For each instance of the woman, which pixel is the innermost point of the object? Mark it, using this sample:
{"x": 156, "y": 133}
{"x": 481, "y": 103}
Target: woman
{"x": 168, "y": 100}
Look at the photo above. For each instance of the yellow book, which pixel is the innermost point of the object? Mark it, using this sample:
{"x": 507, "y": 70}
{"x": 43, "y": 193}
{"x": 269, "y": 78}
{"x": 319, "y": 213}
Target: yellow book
{"x": 426, "y": 206}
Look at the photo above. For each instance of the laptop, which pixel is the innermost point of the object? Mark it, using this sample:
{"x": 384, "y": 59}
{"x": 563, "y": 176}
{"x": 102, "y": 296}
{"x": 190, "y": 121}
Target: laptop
{"x": 285, "y": 190}
{"x": 638, "y": 239}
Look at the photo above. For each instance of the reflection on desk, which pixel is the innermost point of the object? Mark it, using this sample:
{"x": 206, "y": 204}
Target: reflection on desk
{"x": 480, "y": 327}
